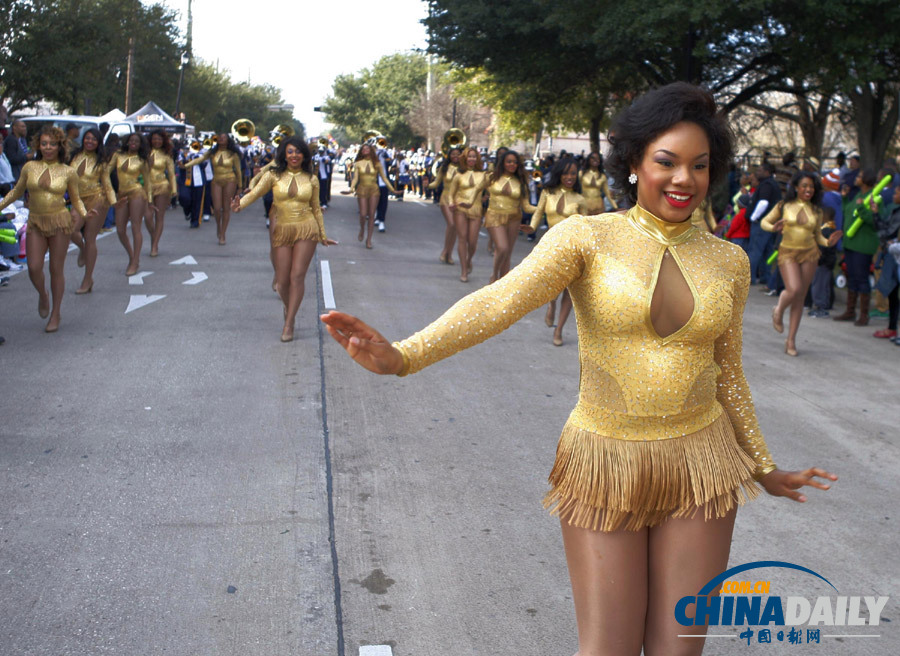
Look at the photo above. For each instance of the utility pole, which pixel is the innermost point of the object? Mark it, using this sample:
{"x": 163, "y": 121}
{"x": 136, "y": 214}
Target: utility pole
{"x": 129, "y": 75}
{"x": 429, "y": 81}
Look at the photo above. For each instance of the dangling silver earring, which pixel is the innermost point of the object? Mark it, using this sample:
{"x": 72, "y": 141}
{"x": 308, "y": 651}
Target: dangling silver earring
{"x": 632, "y": 178}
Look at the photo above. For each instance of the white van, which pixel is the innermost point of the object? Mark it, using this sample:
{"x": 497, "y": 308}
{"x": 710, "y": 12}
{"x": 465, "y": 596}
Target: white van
{"x": 84, "y": 123}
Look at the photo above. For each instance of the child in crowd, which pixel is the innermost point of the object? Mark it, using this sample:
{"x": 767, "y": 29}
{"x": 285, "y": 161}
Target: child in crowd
{"x": 822, "y": 288}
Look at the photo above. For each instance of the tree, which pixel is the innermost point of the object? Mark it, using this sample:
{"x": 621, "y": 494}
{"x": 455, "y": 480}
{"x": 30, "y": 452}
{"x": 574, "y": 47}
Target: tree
{"x": 379, "y": 98}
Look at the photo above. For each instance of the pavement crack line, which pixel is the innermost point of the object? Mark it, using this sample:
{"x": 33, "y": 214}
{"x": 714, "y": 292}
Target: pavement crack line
{"x": 329, "y": 480}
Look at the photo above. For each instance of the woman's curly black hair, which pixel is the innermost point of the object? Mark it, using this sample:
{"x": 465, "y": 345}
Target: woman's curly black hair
{"x": 556, "y": 173}
{"x": 791, "y": 193}
{"x": 281, "y": 154}
{"x": 143, "y": 150}
{"x": 654, "y": 113}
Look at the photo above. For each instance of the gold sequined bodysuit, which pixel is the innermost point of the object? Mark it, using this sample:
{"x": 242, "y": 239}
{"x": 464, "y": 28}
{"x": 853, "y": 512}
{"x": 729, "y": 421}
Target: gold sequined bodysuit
{"x": 226, "y": 166}
{"x": 93, "y": 179}
{"x": 131, "y": 171}
{"x": 465, "y": 189}
{"x": 507, "y": 202}
{"x": 295, "y": 197}
{"x": 162, "y": 173}
{"x": 445, "y": 177}
{"x": 558, "y": 205}
{"x": 47, "y": 185}
{"x": 664, "y": 422}
{"x": 365, "y": 179}
{"x": 594, "y": 186}
{"x": 801, "y": 234}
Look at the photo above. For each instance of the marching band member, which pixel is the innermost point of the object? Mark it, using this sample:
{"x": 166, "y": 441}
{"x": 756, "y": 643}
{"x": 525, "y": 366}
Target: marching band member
{"x": 162, "y": 184}
{"x": 508, "y": 190}
{"x": 595, "y": 185}
{"x": 366, "y": 173}
{"x": 465, "y": 201}
{"x": 447, "y": 171}
{"x": 132, "y": 166}
{"x": 227, "y": 179}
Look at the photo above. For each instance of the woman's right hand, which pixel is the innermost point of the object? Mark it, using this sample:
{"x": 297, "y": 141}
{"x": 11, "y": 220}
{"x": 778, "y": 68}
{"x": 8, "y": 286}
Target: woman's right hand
{"x": 236, "y": 204}
{"x": 346, "y": 192}
{"x": 363, "y": 343}
{"x": 526, "y": 228}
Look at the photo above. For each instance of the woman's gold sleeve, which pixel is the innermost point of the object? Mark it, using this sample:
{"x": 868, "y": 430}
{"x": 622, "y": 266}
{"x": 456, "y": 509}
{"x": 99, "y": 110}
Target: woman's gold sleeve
{"x": 554, "y": 263}
{"x": 539, "y": 210}
{"x": 438, "y": 180}
{"x": 198, "y": 160}
{"x": 454, "y": 186}
{"x": 236, "y": 167}
{"x": 821, "y": 239}
{"x": 387, "y": 182}
{"x": 263, "y": 186}
{"x": 106, "y": 184}
{"x": 732, "y": 391}
{"x": 74, "y": 196}
{"x": 604, "y": 187}
{"x": 768, "y": 221}
{"x": 170, "y": 174}
{"x": 19, "y": 189}
{"x": 316, "y": 208}
{"x": 145, "y": 177}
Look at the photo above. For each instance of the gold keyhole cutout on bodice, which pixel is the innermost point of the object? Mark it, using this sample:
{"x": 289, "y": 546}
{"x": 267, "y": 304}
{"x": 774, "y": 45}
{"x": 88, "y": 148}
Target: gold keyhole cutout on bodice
{"x": 507, "y": 189}
{"x": 561, "y": 204}
{"x": 82, "y": 168}
{"x": 802, "y": 219}
{"x": 44, "y": 180}
{"x": 672, "y": 304}
{"x": 292, "y": 189}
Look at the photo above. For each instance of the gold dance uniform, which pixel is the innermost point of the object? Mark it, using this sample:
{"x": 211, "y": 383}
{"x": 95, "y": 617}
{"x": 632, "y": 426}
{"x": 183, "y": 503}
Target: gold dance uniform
{"x": 46, "y": 185}
{"x": 508, "y": 199}
{"x": 295, "y": 197}
{"x": 594, "y": 186}
{"x": 801, "y": 233}
{"x": 445, "y": 178}
{"x": 465, "y": 189}
{"x": 94, "y": 185}
{"x": 703, "y": 217}
{"x": 365, "y": 179}
{"x": 226, "y": 166}
{"x": 131, "y": 170}
{"x": 558, "y": 205}
{"x": 162, "y": 173}
{"x": 663, "y": 425}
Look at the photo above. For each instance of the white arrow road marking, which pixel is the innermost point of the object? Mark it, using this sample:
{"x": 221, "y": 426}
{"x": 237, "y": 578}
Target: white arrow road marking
{"x": 138, "y": 278}
{"x": 327, "y": 289}
{"x": 376, "y": 650}
{"x": 199, "y": 276}
{"x": 139, "y": 301}
{"x": 187, "y": 259}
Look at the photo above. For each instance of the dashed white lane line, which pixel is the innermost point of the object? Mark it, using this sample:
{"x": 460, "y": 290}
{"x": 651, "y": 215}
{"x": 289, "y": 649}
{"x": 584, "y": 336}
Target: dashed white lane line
{"x": 199, "y": 277}
{"x": 376, "y": 650}
{"x": 328, "y": 298}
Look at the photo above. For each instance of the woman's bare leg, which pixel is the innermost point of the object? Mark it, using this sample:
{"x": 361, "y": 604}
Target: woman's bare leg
{"x": 608, "y": 572}
{"x": 59, "y": 246}
{"x": 371, "y": 207}
{"x": 36, "y": 246}
{"x": 550, "y": 316}
{"x": 565, "y": 306}
{"x": 92, "y": 227}
{"x": 512, "y": 233}
{"x": 136, "y": 208}
{"x": 217, "y": 192}
{"x": 122, "y": 227}
{"x": 363, "y": 216}
{"x": 76, "y": 237}
{"x": 807, "y": 271}
{"x": 161, "y": 202}
{"x": 273, "y": 217}
{"x": 449, "y": 234}
{"x": 301, "y": 255}
{"x": 474, "y": 227}
{"x": 462, "y": 244}
{"x": 683, "y": 555}
{"x": 501, "y": 248}
{"x": 228, "y": 193}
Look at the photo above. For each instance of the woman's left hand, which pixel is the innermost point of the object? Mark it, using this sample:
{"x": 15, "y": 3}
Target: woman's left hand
{"x": 835, "y": 237}
{"x": 329, "y": 242}
{"x": 781, "y": 483}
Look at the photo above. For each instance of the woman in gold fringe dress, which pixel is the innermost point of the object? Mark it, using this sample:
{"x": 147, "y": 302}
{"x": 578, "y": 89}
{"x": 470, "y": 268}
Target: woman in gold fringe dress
{"x": 227, "y": 179}
{"x": 133, "y": 171}
{"x": 465, "y": 202}
{"x": 366, "y": 171}
{"x": 595, "y": 185}
{"x": 299, "y": 224}
{"x": 95, "y": 189}
{"x": 559, "y": 200}
{"x": 508, "y": 191}
{"x": 162, "y": 184}
{"x": 663, "y": 444}
{"x": 47, "y": 179}
{"x": 447, "y": 171}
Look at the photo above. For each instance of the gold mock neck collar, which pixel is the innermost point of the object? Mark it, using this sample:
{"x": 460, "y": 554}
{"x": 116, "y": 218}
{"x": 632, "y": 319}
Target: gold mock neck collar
{"x": 664, "y": 232}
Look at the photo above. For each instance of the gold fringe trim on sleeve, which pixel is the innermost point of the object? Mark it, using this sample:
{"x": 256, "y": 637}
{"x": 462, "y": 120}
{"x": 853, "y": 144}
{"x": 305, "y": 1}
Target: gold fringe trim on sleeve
{"x": 605, "y": 484}
{"x": 50, "y": 224}
{"x": 287, "y": 234}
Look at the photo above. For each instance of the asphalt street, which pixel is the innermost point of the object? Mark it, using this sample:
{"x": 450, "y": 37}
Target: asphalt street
{"x": 175, "y": 480}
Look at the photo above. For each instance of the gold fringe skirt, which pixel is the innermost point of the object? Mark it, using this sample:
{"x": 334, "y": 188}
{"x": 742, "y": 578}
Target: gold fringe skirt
{"x": 288, "y": 234}
{"x": 798, "y": 255}
{"x": 602, "y": 483}
{"x": 367, "y": 191}
{"x": 49, "y": 225}
{"x": 493, "y": 219}
{"x": 161, "y": 189}
{"x": 594, "y": 206}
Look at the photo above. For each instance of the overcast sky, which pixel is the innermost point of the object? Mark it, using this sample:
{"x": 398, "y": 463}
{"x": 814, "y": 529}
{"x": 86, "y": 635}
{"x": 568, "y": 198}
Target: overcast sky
{"x": 300, "y": 46}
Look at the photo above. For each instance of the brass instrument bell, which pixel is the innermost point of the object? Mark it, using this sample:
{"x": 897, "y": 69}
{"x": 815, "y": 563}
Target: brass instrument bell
{"x": 243, "y": 130}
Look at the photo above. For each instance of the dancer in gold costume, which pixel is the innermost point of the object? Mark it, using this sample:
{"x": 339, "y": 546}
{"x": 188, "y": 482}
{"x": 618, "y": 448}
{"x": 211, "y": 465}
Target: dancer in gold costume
{"x": 465, "y": 201}
{"x": 447, "y": 171}
{"x": 366, "y": 171}
{"x": 47, "y": 179}
{"x": 227, "y": 180}
{"x": 162, "y": 184}
{"x": 559, "y": 200}
{"x": 508, "y": 190}
{"x": 95, "y": 189}
{"x": 132, "y": 167}
{"x": 299, "y": 224}
{"x": 595, "y": 185}
{"x": 799, "y": 219}
{"x": 663, "y": 444}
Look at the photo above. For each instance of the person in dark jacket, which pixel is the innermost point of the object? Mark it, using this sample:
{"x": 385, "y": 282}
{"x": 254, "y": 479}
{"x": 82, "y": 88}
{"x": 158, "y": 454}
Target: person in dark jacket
{"x": 16, "y": 148}
{"x": 767, "y": 194}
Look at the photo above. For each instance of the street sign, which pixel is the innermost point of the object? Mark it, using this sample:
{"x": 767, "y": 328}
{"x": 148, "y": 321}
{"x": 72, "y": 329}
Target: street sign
{"x": 280, "y": 108}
